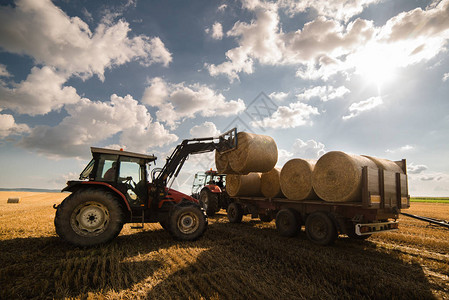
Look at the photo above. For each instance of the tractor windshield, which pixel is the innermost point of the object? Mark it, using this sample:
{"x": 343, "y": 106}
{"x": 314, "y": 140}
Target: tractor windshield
{"x": 87, "y": 170}
{"x": 198, "y": 183}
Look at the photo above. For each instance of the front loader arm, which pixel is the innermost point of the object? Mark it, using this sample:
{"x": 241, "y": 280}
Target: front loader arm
{"x": 223, "y": 143}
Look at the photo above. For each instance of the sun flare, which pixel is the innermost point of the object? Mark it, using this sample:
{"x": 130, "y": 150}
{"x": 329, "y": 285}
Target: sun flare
{"x": 376, "y": 65}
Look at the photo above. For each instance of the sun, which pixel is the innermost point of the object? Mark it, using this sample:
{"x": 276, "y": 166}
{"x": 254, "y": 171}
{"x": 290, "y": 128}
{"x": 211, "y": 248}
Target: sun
{"x": 377, "y": 65}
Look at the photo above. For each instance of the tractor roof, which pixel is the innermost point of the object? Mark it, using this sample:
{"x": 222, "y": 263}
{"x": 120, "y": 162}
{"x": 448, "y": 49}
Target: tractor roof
{"x": 123, "y": 153}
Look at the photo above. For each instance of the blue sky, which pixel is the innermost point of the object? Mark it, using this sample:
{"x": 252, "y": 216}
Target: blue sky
{"x": 362, "y": 76}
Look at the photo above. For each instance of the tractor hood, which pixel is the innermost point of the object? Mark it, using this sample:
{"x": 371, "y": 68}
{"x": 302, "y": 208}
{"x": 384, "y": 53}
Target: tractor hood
{"x": 178, "y": 196}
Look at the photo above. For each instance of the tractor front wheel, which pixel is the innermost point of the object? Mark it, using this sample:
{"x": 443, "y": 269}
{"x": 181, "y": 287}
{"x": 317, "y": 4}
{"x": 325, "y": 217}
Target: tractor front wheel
{"x": 187, "y": 223}
{"x": 88, "y": 218}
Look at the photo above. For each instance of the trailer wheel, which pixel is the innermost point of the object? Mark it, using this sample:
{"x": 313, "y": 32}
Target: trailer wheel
{"x": 265, "y": 218}
{"x": 235, "y": 213}
{"x": 209, "y": 202}
{"x": 320, "y": 228}
{"x": 88, "y": 218}
{"x": 288, "y": 222}
{"x": 187, "y": 223}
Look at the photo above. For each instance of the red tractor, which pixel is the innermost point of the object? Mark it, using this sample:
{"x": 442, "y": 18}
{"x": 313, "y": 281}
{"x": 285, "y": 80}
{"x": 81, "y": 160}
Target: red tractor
{"x": 210, "y": 188}
{"x": 115, "y": 189}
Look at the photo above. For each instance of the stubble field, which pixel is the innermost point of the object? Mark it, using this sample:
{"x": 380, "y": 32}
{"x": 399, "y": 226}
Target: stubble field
{"x": 231, "y": 261}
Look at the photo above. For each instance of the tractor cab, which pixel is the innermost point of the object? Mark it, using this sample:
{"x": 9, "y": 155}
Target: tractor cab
{"x": 210, "y": 178}
{"x": 210, "y": 189}
{"x": 125, "y": 171}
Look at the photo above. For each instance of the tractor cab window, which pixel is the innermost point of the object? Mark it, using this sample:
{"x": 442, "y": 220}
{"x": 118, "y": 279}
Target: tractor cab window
{"x": 198, "y": 183}
{"x": 220, "y": 181}
{"x": 215, "y": 179}
{"x": 107, "y": 168}
{"x": 132, "y": 177}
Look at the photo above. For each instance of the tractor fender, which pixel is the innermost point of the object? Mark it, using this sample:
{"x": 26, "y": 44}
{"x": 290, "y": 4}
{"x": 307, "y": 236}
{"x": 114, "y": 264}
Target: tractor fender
{"x": 73, "y": 186}
{"x": 213, "y": 188}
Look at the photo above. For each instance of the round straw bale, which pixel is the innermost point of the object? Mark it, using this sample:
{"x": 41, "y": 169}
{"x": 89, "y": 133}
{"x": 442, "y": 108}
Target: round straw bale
{"x": 254, "y": 153}
{"x": 337, "y": 176}
{"x": 296, "y": 179}
{"x": 222, "y": 163}
{"x": 385, "y": 164}
{"x": 243, "y": 185}
{"x": 270, "y": 184}
{"x": 13, "y": 200}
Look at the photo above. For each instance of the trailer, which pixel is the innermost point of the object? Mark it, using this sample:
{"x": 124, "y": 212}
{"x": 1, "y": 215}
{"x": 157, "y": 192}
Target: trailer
{"x": 383, "y": 195}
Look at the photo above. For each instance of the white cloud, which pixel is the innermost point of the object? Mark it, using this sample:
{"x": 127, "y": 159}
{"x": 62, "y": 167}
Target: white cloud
{"x": 429, "y": 183}
{"x": 40, "y": 93}
{"x": 294, "y": 115}
{"x": 216, "y": 32}
{"x": 338, "y": 9}
{"x": 400, "y": 149}
{"x": 179, "y": 101}
{"x": 283, "y": 157}
{"x": 326, "y": 46}
{"x": 89, "y": 123}
{"x": 416, "y": 169}
{"x": 279, "y": 96}
{"x": 207, "y": 129}
{"x": 356, "y": 108}
{"x": 257, "y": 40}
{"x": 325, "y": 93}
{"x": 308, "y": 150}
{"x": 156, "y": 92}
{"x": 3, "y": 71}
{"x": 222, "y": 7}
{"x": 445, "y": 77}
{"x": 43, "y": 31}
{"x": 8, "y": 126}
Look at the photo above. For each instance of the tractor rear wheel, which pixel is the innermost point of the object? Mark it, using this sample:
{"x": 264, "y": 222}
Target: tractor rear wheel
{"x": 209, "y": 202}
{"x": 89, "y": 217}
{"x": 187, "y": 223}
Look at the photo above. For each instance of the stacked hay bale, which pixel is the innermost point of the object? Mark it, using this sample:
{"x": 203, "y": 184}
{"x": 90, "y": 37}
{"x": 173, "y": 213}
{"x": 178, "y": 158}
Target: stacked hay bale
{"x": 270, "y": 184}
{"x": 385, "y": 164}
{"x": 337, "y": 176}
{"x": 296, "y": 179}
{"x": 254, "y": 153}
{"x": 222, "y": 163}
{"x": 243, "y": 185}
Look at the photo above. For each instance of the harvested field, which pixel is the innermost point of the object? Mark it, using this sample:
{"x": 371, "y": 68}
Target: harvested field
{"x": 231, "y": 261}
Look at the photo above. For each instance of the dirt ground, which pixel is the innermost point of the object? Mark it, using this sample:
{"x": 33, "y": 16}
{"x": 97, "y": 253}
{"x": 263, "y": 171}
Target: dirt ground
{"x": 231, "y": 261}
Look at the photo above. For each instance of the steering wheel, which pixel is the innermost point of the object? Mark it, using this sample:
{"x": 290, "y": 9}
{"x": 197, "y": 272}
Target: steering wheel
{"x": 130, "y": 182}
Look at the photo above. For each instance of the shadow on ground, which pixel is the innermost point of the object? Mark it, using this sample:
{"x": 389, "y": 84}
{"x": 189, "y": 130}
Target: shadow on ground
{"x": 247, "y": 260}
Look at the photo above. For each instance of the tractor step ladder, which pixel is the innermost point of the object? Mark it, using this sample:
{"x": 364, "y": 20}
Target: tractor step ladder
{"x": 142, "y": 219}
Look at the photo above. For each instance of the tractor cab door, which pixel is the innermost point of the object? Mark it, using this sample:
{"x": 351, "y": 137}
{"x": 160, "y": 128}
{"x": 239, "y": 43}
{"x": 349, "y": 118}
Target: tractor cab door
{"x": 132, "y": 180}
